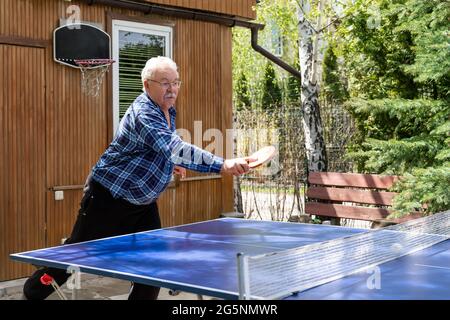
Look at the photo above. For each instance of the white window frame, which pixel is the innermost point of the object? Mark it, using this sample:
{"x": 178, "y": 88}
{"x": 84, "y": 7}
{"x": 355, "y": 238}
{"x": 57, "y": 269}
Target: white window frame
{"x": 123, "y": 25}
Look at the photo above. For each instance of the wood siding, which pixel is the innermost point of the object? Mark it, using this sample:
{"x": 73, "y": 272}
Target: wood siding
{"x": 241, "y": 8}
{"x": 67, "y": 131}
{"x": 22, "y": 154}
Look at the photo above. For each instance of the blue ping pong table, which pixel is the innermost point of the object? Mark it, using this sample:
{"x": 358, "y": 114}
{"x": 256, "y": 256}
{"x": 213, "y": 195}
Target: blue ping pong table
{"x": 201, "y": 258}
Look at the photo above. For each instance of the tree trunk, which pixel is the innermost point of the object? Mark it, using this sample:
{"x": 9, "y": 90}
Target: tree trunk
{"x": 312, "y": 123}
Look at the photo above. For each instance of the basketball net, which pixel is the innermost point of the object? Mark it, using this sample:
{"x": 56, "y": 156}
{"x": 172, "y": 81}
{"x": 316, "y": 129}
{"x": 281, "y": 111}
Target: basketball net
{"x": 92, "y": 74}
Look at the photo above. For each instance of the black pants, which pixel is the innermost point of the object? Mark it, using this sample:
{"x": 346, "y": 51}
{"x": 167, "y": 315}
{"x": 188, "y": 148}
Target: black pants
{"x": 101, "y": 216}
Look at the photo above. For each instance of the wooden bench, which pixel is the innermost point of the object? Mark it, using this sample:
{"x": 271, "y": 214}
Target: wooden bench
{"x": 352, "y": 196}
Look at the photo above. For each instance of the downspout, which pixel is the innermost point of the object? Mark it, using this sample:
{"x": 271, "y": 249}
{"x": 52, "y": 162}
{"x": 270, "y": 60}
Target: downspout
{"x": 228, "y": 21}
{"x": 270, "y": 56}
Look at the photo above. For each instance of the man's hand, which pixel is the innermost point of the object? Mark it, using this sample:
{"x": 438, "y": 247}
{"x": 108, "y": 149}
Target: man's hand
{"x": 180, "y": 171}
{"x": 237, "y": 166}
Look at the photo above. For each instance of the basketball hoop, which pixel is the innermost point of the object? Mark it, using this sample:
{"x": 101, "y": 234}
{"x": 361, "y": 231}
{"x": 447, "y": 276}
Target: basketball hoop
{"x": 92, "y": 74}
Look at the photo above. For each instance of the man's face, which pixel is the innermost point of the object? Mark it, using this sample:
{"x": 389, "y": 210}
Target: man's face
{"x": 158, "y": 89}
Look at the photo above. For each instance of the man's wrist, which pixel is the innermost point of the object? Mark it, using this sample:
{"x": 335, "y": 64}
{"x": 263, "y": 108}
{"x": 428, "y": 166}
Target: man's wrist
{"x": 217, "y": 164}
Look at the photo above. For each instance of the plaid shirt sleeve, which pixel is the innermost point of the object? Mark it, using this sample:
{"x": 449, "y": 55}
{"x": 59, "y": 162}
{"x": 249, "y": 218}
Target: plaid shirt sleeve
{"x": 152, "y": 128}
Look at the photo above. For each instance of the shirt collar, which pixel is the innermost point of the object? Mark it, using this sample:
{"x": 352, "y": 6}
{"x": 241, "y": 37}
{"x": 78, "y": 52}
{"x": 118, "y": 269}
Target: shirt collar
{"x": 172, "y": 110}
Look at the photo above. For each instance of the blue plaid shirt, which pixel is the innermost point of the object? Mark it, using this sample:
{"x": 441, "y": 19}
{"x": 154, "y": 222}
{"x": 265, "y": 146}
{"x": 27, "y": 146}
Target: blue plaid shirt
{"x": 139, "y": 162}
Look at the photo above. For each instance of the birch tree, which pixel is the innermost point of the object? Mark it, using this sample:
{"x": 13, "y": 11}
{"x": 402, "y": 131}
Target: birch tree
{"x": 297, "y": 27}
{"x": 312, "y": 124}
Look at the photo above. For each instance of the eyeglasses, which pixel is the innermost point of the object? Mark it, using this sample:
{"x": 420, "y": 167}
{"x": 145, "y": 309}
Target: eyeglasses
{"x": 165, "y": 85}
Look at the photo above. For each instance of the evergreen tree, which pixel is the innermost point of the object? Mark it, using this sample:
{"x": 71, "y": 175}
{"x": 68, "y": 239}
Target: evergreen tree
{"x": 405, "y": 129}
{"x": 242, "y": 93}
{"x": 271, "y": 98}
{"x": 293, "y": 87}
{"x": 332, "y": 85}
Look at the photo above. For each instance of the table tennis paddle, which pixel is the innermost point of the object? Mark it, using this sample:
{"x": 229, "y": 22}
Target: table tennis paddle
{"x": 262, "y": 156}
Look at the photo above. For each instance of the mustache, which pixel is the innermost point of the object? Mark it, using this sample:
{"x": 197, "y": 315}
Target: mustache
{"x": 169, "y": 95}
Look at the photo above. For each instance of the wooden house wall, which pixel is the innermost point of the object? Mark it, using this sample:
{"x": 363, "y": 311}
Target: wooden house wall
{"x": 51, "y": 134}
{"x": 242, "y": 8}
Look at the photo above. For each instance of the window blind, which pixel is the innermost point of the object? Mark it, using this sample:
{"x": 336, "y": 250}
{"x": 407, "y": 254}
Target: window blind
{"x": 135, "y": 49}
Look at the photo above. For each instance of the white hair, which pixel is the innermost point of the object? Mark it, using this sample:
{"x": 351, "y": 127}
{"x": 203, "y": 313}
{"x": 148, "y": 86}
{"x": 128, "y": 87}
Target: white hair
{"x": 153, "y": 64}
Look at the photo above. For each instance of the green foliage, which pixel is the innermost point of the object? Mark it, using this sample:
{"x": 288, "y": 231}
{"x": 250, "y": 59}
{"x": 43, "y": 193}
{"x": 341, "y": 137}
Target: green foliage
{"x": 332, "y": 85}
{"x": 248, "y": 63}
{"x": 397, "y": 118}
{"x": 424, "y": 187}
{"x": 399, "y": 156}
{"x": 398, "y": 75}
{"x": 389, "y": 61}
{"x": 271, "y": 90}
{"x": 293, "y": 90}
{"x": 253, "y": 66}
{"x": 242, "y": 94}
{"x": 428, "y": 23}
{"x": 374, "y": 53}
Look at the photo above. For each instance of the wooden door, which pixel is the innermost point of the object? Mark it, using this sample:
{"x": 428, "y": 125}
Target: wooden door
{"x": 22, "y": 155}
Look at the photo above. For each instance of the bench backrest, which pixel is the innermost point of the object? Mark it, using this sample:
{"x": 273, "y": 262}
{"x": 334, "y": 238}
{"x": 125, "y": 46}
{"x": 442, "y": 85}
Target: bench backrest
{"x": 351, "y": 195}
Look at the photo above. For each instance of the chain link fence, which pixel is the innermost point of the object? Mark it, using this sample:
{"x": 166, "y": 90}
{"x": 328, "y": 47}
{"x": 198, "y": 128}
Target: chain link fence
{"x": 276, "y": 192}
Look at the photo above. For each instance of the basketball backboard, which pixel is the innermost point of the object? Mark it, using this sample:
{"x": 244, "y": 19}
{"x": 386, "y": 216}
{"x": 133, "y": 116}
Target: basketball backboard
{"x": 78, "y": 42}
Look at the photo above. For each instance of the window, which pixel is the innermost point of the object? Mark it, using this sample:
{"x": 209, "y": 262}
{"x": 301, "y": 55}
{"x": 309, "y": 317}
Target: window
{"x": 133, "y": 44}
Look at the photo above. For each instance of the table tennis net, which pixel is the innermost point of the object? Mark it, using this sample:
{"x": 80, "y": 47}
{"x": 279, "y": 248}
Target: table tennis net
{"x": 278, "y": 274}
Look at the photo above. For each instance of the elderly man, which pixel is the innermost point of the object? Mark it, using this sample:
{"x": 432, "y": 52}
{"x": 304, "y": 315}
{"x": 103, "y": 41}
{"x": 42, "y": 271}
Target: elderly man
{"x": 122, "y": 189}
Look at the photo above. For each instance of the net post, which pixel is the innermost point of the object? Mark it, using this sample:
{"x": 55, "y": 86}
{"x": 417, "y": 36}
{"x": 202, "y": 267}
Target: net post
{"x": 243, "y": 277}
